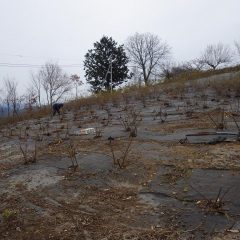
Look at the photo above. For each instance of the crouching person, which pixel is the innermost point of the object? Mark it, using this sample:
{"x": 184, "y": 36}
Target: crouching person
{"x": 56, "y": 108}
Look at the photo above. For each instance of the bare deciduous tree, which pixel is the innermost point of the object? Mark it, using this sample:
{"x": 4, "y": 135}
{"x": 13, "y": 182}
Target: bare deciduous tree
{"x": 55, "y": 83}
{"x": 77, "y": 82}
{"x": 147, "y": 52}
{"x": 172, "y": 70}
{"x": 237, "y": 45}
{"x": 1, "y": 102}
{"x": 166, "y": 69}
{"x": 36, "y": 85}
{"x": 196, "y": 64}
{"x": 11, "y": 95}
{"x": 31, "y": 97}
{"x": 215, "y": 55}
{"x": 137, "y": 77}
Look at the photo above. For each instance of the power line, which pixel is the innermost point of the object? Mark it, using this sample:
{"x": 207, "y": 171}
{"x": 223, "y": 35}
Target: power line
{"x": 36, "y": 57}
{"x": 27, "y": 65}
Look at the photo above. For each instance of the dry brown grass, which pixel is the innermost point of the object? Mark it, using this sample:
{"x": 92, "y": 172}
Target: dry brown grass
{"x": 192, "y": 75}
{"x": 175, "y": 87}
{"x": 26, "y": 115}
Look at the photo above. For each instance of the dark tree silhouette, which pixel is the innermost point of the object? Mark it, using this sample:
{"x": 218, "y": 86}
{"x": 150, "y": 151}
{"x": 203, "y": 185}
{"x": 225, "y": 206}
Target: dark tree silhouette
{"x": 105, "y": 62}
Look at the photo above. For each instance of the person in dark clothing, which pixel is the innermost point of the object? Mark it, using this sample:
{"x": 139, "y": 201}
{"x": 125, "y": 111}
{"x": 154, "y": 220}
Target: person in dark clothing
{"x": 56, "y": 108}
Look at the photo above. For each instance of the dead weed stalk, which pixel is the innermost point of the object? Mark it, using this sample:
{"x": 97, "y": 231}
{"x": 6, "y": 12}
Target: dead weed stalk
{"x": 220, "y": 121}
{"x": 28, "y": 156}
{"x": 130, "y": 121}
{"x": 72, "y": 155}
{"x": 121, "y": 160}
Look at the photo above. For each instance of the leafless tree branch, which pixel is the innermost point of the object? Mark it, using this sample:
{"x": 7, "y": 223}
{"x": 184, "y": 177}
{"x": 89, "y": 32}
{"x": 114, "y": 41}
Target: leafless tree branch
{"x": 215, "y": 55}
{"x": 55, "y": 83}
{"x": 147, "y": 52}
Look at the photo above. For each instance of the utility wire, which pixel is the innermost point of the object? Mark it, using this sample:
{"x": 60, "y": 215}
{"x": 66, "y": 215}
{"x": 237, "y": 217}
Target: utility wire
{"x": 24, "y": 65}
{"x": 35, "y": 57}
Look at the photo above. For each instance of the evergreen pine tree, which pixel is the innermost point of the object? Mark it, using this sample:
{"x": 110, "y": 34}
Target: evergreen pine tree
{"x": 97, "y": 65}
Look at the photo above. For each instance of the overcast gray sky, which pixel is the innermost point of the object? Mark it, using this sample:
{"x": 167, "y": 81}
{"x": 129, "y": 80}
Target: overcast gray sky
{"x": 37, "y": 31}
